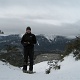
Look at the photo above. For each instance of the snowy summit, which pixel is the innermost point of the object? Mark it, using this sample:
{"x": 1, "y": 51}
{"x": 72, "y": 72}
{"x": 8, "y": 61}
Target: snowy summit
{"x": 70, "y": 70}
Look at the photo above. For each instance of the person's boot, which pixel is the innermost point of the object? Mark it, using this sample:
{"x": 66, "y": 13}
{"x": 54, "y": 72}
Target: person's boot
{"x": 24, "y": 68}
{"x": 24, "y": 71}
{"x": 30, "y": 72}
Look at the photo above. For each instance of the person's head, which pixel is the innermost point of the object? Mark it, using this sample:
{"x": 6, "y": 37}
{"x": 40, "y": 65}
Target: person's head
{"x": 28, "y": 29}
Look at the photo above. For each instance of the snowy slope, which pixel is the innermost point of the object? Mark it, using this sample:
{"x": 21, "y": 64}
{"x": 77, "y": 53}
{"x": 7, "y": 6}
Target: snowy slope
{"x": 70, "y": 70}
{"x": 3, "y": 35}
{"x": 50, "y": 37}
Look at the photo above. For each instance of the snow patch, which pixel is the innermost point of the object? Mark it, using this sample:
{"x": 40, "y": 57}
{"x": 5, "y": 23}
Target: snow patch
{"x": 50, "y": 37}
{"x": 38, "y": 43}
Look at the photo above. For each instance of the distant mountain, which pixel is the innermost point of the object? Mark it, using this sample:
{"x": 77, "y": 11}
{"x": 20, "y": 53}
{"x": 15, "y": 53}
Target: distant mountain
{"x": 11, "y": 49}
{"x": 44, "y": 42}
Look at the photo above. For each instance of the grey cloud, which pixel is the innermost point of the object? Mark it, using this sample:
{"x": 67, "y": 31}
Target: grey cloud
{"x": 40, "y": 2}
{"x": 18, "y": 14}
{"x": 11, "y": 26}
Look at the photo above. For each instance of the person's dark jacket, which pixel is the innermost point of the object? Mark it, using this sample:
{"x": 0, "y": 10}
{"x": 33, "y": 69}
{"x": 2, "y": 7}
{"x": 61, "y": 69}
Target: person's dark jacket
{"x": 28, "y": 40}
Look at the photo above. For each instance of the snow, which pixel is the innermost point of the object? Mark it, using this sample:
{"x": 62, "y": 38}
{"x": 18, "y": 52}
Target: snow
{"x": 70, "y": 37}
{"x": 3, "y": 35}
{"x": 38, "y": 43}
{"x": 20, "y": 35}
{"x": 70, "y": 70}
{"x": 50, "y": 37}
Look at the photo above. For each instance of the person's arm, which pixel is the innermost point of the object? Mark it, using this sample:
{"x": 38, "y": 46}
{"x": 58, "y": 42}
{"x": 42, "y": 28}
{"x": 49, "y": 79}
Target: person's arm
{"x": 23, "y": 41}
{"x": 34, "y": 39}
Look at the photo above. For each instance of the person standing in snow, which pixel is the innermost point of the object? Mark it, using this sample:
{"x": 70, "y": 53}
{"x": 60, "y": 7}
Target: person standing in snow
{"x": 28, "y": 40}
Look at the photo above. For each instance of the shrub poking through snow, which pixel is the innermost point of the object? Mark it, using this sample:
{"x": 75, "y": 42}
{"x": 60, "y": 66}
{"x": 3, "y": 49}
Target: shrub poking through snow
{"x": 52, "y": 65}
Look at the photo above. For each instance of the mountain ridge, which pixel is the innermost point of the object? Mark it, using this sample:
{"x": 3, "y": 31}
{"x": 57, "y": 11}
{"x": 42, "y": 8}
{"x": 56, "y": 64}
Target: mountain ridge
{"x": 44, "y": 42}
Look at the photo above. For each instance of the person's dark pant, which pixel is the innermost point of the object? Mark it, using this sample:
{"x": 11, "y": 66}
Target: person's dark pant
{"x": 28, "y": 53}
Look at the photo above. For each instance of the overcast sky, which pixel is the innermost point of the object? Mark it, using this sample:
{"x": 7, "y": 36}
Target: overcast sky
{"x": 57, "y": 17}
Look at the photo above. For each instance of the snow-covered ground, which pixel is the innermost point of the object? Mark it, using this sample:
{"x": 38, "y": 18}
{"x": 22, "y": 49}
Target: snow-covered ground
{"x": 70, "y": 70}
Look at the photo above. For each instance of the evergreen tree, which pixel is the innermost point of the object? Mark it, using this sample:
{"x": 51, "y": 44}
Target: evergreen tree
{"x": 1, "y": 32}
{"x": 74, "y": 47}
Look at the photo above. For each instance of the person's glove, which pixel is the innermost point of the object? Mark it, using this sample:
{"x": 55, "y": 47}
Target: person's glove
{"x": 26, "y": 43}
